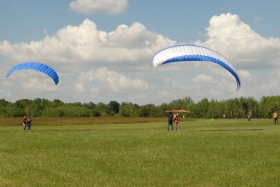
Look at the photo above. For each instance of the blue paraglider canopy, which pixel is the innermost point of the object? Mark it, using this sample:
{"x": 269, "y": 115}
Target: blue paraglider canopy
{"x": 189, "y": 53}
{"x": 35, "y": 66}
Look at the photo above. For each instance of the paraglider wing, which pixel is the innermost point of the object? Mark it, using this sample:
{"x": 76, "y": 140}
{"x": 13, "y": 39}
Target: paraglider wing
{"x": 35, "y": 66}
{"x": 193, "y": 53}
{"x": 179, "y": 111}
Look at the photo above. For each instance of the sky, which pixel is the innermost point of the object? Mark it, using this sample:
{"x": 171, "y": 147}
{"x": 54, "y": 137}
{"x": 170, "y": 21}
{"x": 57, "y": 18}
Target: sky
{"x": 102, "y": 50}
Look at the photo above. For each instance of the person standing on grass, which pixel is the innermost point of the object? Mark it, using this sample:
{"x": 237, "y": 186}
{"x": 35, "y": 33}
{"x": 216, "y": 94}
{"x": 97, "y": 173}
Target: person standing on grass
{"x": 170, "y": 122}
{"x": 176, "y": 121}
{"x": 249, "y": 117}
{"x": 28, "y": 123}
{"x": 24, "y": 121}
{"x": 275, "y": 117}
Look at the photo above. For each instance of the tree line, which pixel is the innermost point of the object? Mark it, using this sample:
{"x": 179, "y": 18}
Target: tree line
{"x": 231, "y": 108}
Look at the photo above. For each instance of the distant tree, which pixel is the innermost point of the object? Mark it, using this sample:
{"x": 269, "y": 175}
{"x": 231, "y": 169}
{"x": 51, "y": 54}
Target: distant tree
{"x": 213, "y": 109}
{"x": 37, "y": 107}
{"x": 113, "y": 108}
{"x": 233, "y": 108}
{"x": 184, "y": 103}
{"x": 13, "y": 111}
{"x": 3, "y": 105}
{"x": 3, "y": 102}
{"x": 90, "y": 105}
{"x": 162, "y": 109}
{"x": 201, "y": 108}
{"x": 128, "y": 109}
{"x": 148, "y": 110}
{"x": 96, "y": 113}
{"x": 57, "y": 103}
{"x": 99, "y": 109}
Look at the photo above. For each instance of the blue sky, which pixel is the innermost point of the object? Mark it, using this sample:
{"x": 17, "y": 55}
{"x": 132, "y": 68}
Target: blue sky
{"x": 62, "y": 35}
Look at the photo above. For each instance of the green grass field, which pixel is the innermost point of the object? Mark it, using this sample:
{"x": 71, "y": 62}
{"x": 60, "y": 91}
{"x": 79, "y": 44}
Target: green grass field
{"x": 204, "y": 153}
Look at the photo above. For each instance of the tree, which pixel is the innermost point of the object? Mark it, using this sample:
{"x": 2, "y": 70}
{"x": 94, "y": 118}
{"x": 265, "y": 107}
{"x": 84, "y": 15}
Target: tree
{"x": 57, "y": 103}
{"x": 201, "y": 108}
{"x": 3, "y": 104}
{"x": 148, "y": 110}
{"x": 128, "y": 109}
{"x": 162, "y": 109}
{"x": 99, "y": 109}
{"x": 213, "y": 109}
{"x": 113, "y": 108}
{"x": 234, "y": 108}
{"x": 90, "y": 105}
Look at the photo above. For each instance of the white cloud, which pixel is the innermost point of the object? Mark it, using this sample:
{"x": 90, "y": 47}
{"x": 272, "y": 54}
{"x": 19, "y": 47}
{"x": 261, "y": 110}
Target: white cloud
{"x": 204, "y": 79}
{"x": 76, "y": 45}
{"x": 99, "y": 66}
{"x": 30, "y": 81}
{"x": 74, "y": 50}
{"x": 166, "y": 94}
{"x": 34, "y": 84}
{"x": 109, "y": 81}
{"x": 271, "y": 85}
{"x": 246, "y": 75}
{"x": 99, "y": 6}
{"x": 241, "y": 45}
{"x": 79, "y": 87}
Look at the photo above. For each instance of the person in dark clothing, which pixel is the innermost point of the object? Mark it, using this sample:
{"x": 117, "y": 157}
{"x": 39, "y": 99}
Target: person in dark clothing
{"x": 170, "y": 122}
{"x": 28, "y": 124}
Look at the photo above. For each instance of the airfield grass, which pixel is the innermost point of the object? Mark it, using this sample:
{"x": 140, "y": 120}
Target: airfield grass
{"x": 204, "y": 153}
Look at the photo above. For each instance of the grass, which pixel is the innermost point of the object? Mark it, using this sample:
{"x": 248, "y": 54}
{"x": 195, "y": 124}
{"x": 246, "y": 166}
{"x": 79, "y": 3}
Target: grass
{"x": 83, "y": 120}
{"x": 203, "y": 153}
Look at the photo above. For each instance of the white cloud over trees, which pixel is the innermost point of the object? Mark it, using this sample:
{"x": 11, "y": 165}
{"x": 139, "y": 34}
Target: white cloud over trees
{"x": 92, "y": 61}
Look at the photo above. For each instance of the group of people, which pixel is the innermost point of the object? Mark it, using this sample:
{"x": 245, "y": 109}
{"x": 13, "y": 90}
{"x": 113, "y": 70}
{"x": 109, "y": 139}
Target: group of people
{"x": 173, "y": 119}
{"x": 26, "y": 123}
